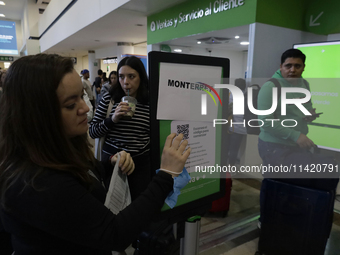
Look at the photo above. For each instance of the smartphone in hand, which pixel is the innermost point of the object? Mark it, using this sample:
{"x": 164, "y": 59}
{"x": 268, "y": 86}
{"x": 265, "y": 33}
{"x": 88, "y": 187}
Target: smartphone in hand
{"x": 312, "y": 117}
{"x": 316, "y": 114}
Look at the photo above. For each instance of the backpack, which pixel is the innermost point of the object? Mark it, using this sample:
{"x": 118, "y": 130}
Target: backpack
{"x": 278, "y": 85}
{"x": 248, "y": 115}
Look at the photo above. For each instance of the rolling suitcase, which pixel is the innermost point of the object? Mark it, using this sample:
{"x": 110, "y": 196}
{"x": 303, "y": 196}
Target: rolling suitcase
{"x": 222, "y": 204}
{"x": 294, "y": 219}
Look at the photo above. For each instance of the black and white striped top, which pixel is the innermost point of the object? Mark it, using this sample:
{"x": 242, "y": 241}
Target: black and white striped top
{"x": 133, "y": 135}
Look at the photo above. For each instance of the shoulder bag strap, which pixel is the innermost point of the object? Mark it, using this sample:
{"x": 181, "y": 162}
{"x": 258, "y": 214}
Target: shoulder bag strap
{"x": 278, "y": 85}
{"x": 109, "y": 109}
{"x": 99, "y": 142}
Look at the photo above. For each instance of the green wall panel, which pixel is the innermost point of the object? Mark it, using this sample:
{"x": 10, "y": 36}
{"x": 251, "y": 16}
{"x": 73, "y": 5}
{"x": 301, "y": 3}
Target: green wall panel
{"x": 288, "y": 13}
{"x": 323, "y": 17}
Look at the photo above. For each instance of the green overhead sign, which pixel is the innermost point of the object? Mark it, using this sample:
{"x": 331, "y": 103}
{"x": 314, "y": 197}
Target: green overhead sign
{"x": 195, "y": 17}
{"x": 201, "y": 16}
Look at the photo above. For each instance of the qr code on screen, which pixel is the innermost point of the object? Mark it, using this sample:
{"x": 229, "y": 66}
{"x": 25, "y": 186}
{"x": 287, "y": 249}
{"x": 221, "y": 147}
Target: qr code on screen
{"x": 184, "y": 129}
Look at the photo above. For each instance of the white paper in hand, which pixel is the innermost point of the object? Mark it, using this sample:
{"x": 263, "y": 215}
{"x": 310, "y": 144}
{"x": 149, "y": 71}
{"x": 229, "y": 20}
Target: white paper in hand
{"x": 118, "y": 197}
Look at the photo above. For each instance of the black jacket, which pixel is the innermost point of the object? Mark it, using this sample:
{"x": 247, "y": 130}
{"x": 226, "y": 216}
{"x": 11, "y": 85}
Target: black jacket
{"x": 64, "y": 217}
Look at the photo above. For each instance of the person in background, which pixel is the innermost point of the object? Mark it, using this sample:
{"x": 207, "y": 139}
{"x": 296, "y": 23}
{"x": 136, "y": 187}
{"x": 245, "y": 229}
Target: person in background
{"x": 97, "y": 85}
{"x": 87, "y": 86}
{"x": 51, "y": 190}
{"x": 88, "y": 103}
{"x": 104, "y": 77}
{"x": 112, "y": 80}
{"x": 103, "y": 85}
{"x": 132, "y": 136}
{"x": 288, "y": 145}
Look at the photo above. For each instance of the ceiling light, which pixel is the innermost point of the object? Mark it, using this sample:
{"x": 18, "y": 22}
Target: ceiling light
{"x": 177, "y": 50}
{"x": 199, "y": 42}
{"x": 244, "y": 43}
{"x": 2, "y": 15}
{"x": 2, "y": 3}
{"x": 236, "y": 37}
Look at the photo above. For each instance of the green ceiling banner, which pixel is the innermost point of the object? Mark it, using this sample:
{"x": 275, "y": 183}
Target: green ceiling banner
{"x": 323, "y": 17}
{"x": 201, "y": 16}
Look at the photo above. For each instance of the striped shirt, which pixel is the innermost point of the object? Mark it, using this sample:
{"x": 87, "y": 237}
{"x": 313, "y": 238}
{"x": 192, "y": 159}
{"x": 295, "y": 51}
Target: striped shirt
{"x": 133, "y": 135}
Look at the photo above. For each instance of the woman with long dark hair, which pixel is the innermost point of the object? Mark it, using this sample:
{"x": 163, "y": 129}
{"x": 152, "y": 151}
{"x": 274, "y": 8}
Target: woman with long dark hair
{"x": 110, "y": 82}
{"x": 133, "y": 135}
{"x": 51, "y": 190}
{"x": 112, "y": 77}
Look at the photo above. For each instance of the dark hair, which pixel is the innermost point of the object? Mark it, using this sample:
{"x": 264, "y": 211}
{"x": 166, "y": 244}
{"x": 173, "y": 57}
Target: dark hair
{"x": 135, "y": 63}
{"x": 2, "y": 78}
{"x": 112, "y": 72}
{"x": 293, "y": 53}
{"x": 240, "y": 83}
{"x": 104, "y": 78}
{"x": 100, "y": 72}
{"x": 32, "y": 136}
